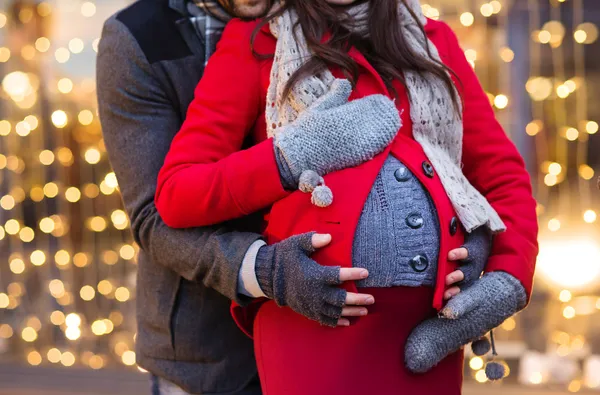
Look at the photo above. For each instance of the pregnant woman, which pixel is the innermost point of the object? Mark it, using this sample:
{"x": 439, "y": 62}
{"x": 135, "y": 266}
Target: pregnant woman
{"x": 368, "y": 125}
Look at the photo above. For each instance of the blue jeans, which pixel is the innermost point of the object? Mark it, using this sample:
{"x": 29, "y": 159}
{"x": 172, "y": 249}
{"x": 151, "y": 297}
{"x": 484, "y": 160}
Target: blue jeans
{"x": 161, "y": 386}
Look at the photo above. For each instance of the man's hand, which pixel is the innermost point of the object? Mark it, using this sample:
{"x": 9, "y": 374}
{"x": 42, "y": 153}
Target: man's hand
{"x": 467, "y": 316}
{"x": 473, "y": 257}
{"x": 288, "y": 275}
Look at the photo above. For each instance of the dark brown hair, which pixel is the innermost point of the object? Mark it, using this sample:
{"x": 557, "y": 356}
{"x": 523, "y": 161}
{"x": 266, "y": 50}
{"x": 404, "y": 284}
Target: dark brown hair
{"x": 386, "y": 48}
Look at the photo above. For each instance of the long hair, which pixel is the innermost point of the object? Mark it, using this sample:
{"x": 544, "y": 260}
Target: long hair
{"x": 385, "y": 47}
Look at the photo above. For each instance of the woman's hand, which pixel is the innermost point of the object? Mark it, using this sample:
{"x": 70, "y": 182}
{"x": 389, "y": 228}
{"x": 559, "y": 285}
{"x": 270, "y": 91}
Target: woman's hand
{"x": 469, "y": 315}
{"x": 473, "y": 257}
{"x": 334, "y": 134}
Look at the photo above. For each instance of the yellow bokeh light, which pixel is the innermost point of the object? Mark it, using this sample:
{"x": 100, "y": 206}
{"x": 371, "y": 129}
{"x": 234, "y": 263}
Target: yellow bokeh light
{"x": 4, "y": 301}
{"x": 12, "y": 226}
{"x": 571, "y": 134}
{"x": 62, "y": 257}
{"x": 37, "y": 194}
{"x": 509, "y": 325}
{"x": 544, "y": 36}
{"x": 73, "y": 320}
{"x": 110, "y": 257}
{"x": 16, "y": 289}
{"x": 580, "y": 36}
{"x": 67, "y": 359}
{"x": 554, "y": 224}
{"x": 51, "y": 190}
{"x": 586, "y": 172}
{"x": 92, "y": 156}
{"x": 46, "y": 157}
{"x": 5, "y": 127}
{"x": 476, "y": 363}
{"x": 6, "y": 331}
{"x": 562, "y": 91}
{"x": 481, "y": 377}
{"x": 87, "y": 292}
{"x": 17, "y": 266}
{"x": 72, "y": 333}
{"x": 117, "y": 318}
{"x": 23, "y": 129}
{"x": 34, "y": 322}
{"x": 565, "y": 296}
{"x": 62, "y": 55}
{"x": 47, "y": 225}
{"x": 574, "y": 386}
{"x": 568, "y": 312}
{"x": 99, "y": 327}
{"x": 34, "y": 358}
{"x": 467, "y": 19}
{"x": 59, "y": 119}
{"x": 105, "y": 189}
{"x": 54, "y": 355}
{"x": 57, "y": 317}
{"x": 26, "y": 235}
{"x": 550, "y": 180}
{"x": 42, "y": 44}
{"x": 97, "y": 224}
{"x": 28, "y": 52}
{"x": 501, "y": 101}
{"x": 496, "y": 6}
{"x": 122, "y": 294}
{"x": 72, "y": 194}
{"x": 590, "y": 216}
{"x": 65, "y": 85}
{"x": 119, "y": 219}
{"x": 29, "y": 334}
{"x": 507, "y": 54}
{"x": 105, "y": 287}
{"x": 4, "y": 54}
{"x": 80, "y": 259}
{"x": 128, "y": 358}
{"x": 591, "y": 127}
{"x": 7, "y": 202}
{"x": 3, "y": 20}
{"x": 76, "y": 45}
{"x": 91, "y": 190}
{"x": 487, "y": 10}
{"x": 65, "y": 156}
{"x": 57, "y": 288}
{"x": 96, "y": 362}
{"x": 86, "y": 117}
{"x": 536, "y": 378}
{"x": 88, "y": 9}
{"x": 127, "y": 252}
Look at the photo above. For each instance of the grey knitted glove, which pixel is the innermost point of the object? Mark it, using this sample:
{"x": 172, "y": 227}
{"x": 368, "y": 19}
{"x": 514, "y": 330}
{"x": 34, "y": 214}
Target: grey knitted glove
{"x": 478, "y": 244}
{"x": 467, "y": 316}
{"x": 335, "y": 134}
{"x": 287, "y": 275}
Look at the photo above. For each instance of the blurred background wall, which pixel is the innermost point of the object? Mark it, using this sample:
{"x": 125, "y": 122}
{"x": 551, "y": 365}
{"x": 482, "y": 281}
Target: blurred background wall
{"x": 67, "y": 260}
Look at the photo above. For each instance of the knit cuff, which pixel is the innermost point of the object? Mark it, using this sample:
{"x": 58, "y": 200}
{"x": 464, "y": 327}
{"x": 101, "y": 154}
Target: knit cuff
{"x": 287, "y": 178}
{"x": 264, "y": 271}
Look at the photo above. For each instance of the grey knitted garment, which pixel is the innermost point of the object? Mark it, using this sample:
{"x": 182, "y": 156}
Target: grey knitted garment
{"x": 335, "y": 134}
{"x": 467, "y": 316}
{"x": 397, "y": 238}
{"x": 436, "y": 124}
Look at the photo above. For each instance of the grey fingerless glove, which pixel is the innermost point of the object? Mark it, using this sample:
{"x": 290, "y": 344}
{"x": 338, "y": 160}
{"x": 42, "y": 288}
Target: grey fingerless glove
{"x": 467, "y": 316}
{"x": 478, "y": 244}
{"x": 287, "y": 275}
{"x": 335, "y": 134}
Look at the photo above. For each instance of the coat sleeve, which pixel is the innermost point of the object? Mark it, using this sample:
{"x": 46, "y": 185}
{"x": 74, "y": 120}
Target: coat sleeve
{"x": 493, "y": 165}
{"x": 206, "y": 179}
{"x": 139, "y": 122}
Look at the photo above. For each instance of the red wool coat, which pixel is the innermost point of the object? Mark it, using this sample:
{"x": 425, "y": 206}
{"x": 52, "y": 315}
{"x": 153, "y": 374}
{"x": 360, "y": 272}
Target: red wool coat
{"x": 207, "y": 178}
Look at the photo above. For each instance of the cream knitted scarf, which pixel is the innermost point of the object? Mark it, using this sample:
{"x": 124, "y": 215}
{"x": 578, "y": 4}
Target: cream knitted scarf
{"x": 437, "y": 127}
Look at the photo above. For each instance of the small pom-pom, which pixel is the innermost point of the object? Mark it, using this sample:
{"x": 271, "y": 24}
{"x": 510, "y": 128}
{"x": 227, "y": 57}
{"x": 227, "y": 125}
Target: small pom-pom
{"x": 322, "y": 196}
{"x": 481, "y": 346}
{"x": 495, "y": 371}
{"x": 308, "y": 181}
